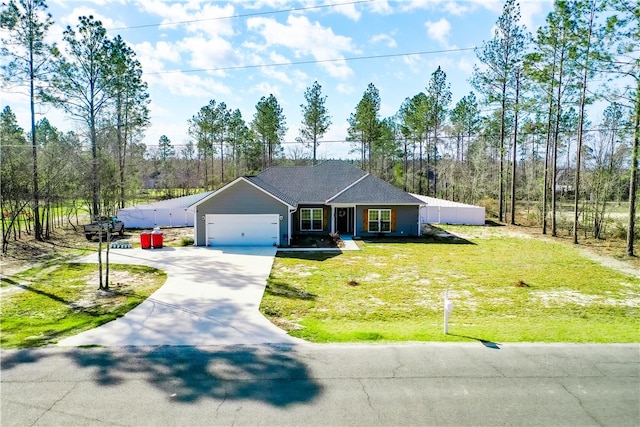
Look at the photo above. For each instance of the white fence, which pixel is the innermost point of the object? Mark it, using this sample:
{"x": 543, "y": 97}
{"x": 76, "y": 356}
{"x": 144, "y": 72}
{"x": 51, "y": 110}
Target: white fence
{"x": 148, "y": 218}
{"x": 439, "y": 211}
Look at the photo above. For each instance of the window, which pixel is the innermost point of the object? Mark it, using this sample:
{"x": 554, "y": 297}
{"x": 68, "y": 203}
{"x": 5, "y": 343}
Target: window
{"x": 379, "y": 220}
{"x": 311, "y": 219}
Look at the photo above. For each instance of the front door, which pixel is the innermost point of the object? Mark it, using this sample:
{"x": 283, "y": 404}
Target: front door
{"x": 344, "y": 220}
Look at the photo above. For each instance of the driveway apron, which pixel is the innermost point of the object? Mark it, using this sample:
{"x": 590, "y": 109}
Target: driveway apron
{"x": 211, "y": 297}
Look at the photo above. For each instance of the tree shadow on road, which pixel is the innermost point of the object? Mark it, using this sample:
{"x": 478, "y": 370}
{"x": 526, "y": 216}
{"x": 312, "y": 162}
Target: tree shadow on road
{"x": 486, "y": 343}
{"x": 270, "y": 374}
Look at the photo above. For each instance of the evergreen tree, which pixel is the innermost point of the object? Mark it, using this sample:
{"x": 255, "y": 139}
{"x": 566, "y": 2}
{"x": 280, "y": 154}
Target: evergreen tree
{"x": 269, "y": 125}
{"x": 315, "y": 117}
{"x": 130, "y": 105}
{"x": 364, "y": 125}
{"x": 27, "y": 23}
{"x": 501, "y": 57}
{"x": 438, "y": 100}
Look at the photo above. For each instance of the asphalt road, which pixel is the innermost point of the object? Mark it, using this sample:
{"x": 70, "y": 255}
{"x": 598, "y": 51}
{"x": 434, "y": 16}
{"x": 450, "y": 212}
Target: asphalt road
{"x": 346, "y": 385}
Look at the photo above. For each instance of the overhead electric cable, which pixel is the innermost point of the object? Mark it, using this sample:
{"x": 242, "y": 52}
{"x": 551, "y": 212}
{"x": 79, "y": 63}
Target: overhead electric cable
{"x": 243, "y": 15}
{"x": 315, "y": 61}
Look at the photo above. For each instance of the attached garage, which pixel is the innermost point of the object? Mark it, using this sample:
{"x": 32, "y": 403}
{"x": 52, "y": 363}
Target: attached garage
{"x": 242, "y": 214}
{"x": 243, "y": 230}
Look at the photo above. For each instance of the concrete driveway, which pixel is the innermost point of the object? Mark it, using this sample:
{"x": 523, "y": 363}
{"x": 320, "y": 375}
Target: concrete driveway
{"x": 211, "y": 297}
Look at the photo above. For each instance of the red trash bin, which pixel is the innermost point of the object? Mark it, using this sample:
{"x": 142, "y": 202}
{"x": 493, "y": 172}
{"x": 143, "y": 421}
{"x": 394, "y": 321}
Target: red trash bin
{"x": 145, "y": 240}
{"x": 156, "y": 240}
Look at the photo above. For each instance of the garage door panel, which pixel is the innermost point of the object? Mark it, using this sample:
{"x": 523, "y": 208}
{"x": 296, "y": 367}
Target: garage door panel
{"x": 243, "y": 230}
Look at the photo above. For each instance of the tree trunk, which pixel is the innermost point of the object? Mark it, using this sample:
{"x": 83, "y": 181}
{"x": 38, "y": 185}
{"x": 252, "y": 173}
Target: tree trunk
{"x": 583, "y": 101}
{"x": 556, "y": 137}
{"x": 633, "y": 180}
{"x": 514, "y": 154}
{"x": 545, "y": 184}
{"x": 502, "y": 134}
{"x": 34, "y": 145}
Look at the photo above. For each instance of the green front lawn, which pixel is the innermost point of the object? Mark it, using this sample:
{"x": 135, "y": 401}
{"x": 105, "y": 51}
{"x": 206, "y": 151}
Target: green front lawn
{"x": 42, "y": 305}
{"x": 504, "y": 288}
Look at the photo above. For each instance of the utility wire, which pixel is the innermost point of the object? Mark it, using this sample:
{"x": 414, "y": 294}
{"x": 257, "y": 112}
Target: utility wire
{"x": 243, "y": 15}
{"x": 315, "y": 61}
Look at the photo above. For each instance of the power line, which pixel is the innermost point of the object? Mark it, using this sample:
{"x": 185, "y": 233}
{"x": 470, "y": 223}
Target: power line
{"x": 244, "y": 15}
{"x": 315, "y": 61}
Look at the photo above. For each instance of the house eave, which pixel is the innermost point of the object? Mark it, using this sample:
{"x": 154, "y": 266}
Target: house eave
{"x": 234, "y": 182}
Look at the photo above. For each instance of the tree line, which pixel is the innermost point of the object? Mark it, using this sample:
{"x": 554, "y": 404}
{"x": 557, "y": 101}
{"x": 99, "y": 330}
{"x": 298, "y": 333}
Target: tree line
{"x": 521, "y": 140}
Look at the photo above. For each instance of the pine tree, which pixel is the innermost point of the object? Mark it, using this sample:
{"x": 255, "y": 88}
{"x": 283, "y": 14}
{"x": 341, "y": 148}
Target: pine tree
{"x": 315, "y": 117}
{"x": 27, "y": 23}
{"x": 501, "y": 57}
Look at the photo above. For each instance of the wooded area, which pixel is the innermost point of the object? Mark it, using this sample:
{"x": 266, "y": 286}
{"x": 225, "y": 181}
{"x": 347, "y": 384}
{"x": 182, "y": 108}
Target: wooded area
{"x": 523, "y": 144}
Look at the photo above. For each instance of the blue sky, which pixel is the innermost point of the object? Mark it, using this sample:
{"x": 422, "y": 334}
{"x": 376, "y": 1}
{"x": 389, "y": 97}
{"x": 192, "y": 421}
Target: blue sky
{"x": 194, "y": 51}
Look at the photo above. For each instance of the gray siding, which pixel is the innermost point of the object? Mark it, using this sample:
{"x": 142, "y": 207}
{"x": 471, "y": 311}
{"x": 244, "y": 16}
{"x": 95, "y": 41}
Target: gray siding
{"x": 407, "y": 219}
{"x": 242, "y": 198}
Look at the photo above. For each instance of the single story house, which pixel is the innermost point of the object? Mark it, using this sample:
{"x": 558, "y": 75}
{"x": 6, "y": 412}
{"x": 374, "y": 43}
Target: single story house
{"x": 329, "y": 197}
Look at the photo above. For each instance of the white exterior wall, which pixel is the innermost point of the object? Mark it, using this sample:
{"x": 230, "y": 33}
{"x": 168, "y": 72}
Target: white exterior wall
{"x": 439, "y": 211}
{"x": 148, "y": 218}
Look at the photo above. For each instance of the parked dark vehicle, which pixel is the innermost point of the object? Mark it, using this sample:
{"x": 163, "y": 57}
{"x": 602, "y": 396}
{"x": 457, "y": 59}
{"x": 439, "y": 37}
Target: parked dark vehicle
{"x": 106, "y": 224}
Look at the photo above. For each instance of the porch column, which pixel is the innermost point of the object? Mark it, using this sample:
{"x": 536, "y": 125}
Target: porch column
{"x": 355, "y": 215}
{"x": 333, "y": 219}
{"x": 290, "y": 226}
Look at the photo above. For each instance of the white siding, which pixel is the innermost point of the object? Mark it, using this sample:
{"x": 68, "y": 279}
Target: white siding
{"x": 243, "y": 230}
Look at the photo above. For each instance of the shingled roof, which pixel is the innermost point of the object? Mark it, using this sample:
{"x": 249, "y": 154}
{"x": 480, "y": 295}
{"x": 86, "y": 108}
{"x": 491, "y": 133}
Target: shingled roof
{"x": 373, "y": 190}
{"x": 312, "y": 184}
{"x": 331, "y": 181}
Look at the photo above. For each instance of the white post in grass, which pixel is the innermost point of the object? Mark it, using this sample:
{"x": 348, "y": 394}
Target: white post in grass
{"x": 448, "y": 308}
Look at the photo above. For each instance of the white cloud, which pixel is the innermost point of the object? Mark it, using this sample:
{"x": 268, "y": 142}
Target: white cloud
{"x": 71, "y": 19}
{"x": 458, "y": 8}
{"x": 344, "y": 88}
{"x": 259, "y": 4}
{"x": 439, "y": 30}
{"x": 189, "y": 85}
{"x": 384, "y": 38}
{"x": 465, "y": 66}
{"x": 415, "y": 63}
{"x": 295, "y": 78}
{"x": 197, "y": 17}
{"x": 418, "y": 4}
{"x": 348, "y": 10}
{"x": 306, "y": 38}
{"x": 152, "y": 58}
{"x": 265, "y": 89}
{"x": 381, "y": 6}
{"x": 528, "y": 12}
{"x": 209, "y": 53}
{"x": 161, "y": 51}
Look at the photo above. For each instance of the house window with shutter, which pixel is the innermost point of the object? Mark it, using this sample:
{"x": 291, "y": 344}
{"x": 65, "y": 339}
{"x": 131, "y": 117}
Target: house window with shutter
{"x": 311, "y": 219}
{"x": 379, "y": 220}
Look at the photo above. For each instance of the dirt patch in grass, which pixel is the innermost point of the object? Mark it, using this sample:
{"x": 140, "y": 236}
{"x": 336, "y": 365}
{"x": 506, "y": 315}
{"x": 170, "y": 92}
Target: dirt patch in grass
{"x": 394, "y": 288}
{"x": 66, "y": 244}
{"x": 53, "y": 303}
{"x": 625, "y": 267}
{"x": 607, "y": 252}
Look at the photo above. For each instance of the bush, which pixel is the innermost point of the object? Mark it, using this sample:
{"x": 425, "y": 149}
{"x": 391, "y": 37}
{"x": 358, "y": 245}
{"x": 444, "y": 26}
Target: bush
{"x": 186, "y": 241}
{"x": 490, "y": 206}
{"x": 619, "y": 230}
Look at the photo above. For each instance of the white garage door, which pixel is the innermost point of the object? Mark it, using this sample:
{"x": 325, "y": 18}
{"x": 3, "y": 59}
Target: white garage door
{"x": 243, "y": 230}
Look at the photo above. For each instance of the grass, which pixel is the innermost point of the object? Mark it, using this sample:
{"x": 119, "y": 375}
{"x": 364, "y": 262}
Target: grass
{"x": 42, "y": 305}
{"x": 505, "y": 289}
